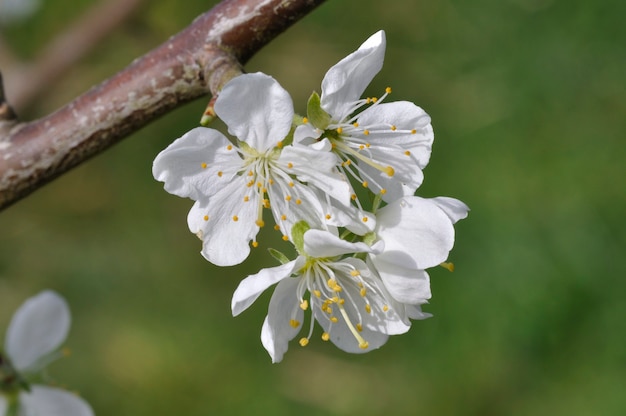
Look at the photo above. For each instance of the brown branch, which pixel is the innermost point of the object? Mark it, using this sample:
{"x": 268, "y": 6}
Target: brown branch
{"x": 198, "y": 60}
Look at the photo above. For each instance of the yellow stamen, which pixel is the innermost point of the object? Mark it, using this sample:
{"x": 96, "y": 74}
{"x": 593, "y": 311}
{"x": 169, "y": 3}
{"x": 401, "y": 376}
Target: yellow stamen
{"x": 204, "y": 165}
{"x": 206, "y": 217}
{"x": 363, "y": 292}
{"x": 365, "y": 184}
{"x": 359, "y": 327}
{"x": 285, "y": 238}
{"x": 291, "y": 184}
{"x": 385, "y": 308}
{"x": 260, "y": 223}
{"x": 288, "y": 198}
{"x": 317, "y": 293}
{"x": 366, "y": 132}
{"x": 283, "y": 217}
{"x": 334, "y": 319}
{"x": 413, "y": 131}
{"x": 447, "y": 265}
{"x": 355, "y": 124}
{"x": 393, "y": 128}
{"x": 339, "y": 130}
{"x": 304, "y": 305}
{"x": 303, "y": 342}
{"x": 246, "y": 198}
{"x": 298, "y": 201}
{"x": 290, "y": 165}
{"x": 279, "y": 144}
{"x": 327, "y": 216}
{"x": 294, "y": 323}
{"x": 229, "y": 147}
{"x": 407, "y": 152}
{"x": 388, "y": 90}
{"x": 220, "y": 173}
{"x": 364, "y": 219}
{"x": 325, "y": 336}
{"x": 354, "y": 273}
{"x": 255, "y": 244}
{"x": 383, "y": 191}
{"x": 305, "y": 120}
{"x": 368, "y": 308}
{"x": 235, "y": 218}
{"x": 390, "y": 171}
{"x": 277, "y": 227}
{"x": 363, "y": 345}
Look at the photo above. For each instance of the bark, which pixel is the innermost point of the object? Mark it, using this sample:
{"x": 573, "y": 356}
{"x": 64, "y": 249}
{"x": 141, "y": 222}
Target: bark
{"x": 197, "y": 61}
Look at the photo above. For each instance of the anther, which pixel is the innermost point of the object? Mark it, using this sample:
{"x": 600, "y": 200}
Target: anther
{"x": 285, "y": 238}
{"x": 365, "y": 219}
{"x": 277, "y": 227}
{"x": 220, "y": 173}
{"x": 279, "y": 144}
{"x": 294, "y": 323}
{"x": 353, "y": 197}
{"x": 448, "y": 266}
{"x": 283, "y": 217}
{"x": 298, "y": 201}
{"x": 317, "y": 293}
{"x": 229, "y": 147}
{"x": 366, "y": 132}
{"x": 305, "y": 120}
{"x": 334, "y": 319}
{"x": 408, "y": 153}
{"x": 260, "y": 223}
{"x": 327, "y": 216}
{"x": 388, "y": 90}
{"x": 339, "y": 130}
{"x": 363, "y": 345}
{"x": 246, "y": 198}
{"x": 255, "y": 244}
{"x": 365, "y": 184}
{"x": 359, "y": 327}
{"x": 206, "y": 217}
{"x": 389, "y": 171}
{"x": 235, "y": 218}
{"x": 305, "y": 341}
{"x": 291, "y": 184}
{"x": 325, "y": 336}
{"x": 393, "y": 128}
{"x": 363, "y": 292}
{"x": 204, "y": 165}
{"x": 288, "y": 198}
{"x": 290, "y": 165}
{"x": 383, "y": 191}
{"x": 413, "y": 131}
{"x": 355, "y": 124}
{"x": 304, "y": 305}
{"x": 385, "y": 308}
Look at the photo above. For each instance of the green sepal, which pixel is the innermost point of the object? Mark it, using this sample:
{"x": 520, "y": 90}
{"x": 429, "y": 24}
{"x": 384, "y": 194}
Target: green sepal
{"x": 316, "y": 115}
{"x": 282, "y": 259}
{"x": 297, "y": 235}
{"x": 370, "y": 238}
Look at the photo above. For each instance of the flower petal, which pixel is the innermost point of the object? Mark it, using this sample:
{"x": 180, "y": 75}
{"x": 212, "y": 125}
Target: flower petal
{"x": 189, "y": 166}
{"x": 320, "y": 244}
{"x": 251, "y": 287}
{"x": 345, "y": 82}
{"x": 405, "y": 285}
{"x": 417, "y": 233}
{"x": 50, "y": 401}
{"x": 277, "y": 330}
{"x": 37, "y": 328}
{"x": 256, "y": 109}
{"x": 225, "y": 224}
{"x": 342, "y": 336}
{"x": 455, "y": 209}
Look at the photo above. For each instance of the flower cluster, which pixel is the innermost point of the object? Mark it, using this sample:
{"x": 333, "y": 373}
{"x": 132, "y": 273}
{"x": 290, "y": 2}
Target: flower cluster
{"x": 37, "y": 330}
{"x": 339, "y": 184}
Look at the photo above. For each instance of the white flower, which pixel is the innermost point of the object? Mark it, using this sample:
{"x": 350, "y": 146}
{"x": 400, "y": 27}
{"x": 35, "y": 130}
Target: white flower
{"x": 37, "y": 330}
{"x": 417, "y": 233}
{"x": 345, "y": 296}
{"x": 390, "y": 142}
{"x": 229, "y": 182}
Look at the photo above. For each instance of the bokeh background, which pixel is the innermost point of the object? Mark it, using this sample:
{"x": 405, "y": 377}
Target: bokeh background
{"x": 528, "y": 102}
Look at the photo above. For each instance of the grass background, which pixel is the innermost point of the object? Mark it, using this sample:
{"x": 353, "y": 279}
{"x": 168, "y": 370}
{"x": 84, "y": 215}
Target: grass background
{"x": 528, "y": 102}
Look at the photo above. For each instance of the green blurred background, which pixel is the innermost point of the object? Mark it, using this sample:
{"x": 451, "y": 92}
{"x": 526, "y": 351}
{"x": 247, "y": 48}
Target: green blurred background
{"x": 528, "y": 103}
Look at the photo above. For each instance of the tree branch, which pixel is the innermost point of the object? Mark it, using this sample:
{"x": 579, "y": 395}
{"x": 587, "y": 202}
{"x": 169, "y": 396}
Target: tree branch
{"x": 198, "y": 60}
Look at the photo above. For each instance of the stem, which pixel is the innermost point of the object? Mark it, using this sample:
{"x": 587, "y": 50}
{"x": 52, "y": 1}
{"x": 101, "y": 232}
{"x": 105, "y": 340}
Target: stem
{"x": 198, "y": 60}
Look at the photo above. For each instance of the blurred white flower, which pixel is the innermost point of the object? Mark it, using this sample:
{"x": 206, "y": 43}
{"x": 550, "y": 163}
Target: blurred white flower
{"x": 35, "y": 334}
{"x": 16, "y": 10}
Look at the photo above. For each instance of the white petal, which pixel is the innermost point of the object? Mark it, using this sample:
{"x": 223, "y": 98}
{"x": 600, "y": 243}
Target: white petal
{"x": 415, "y": 312}
{"x": 251, "y": 287}
{"x": 350, "y": 217}
{"x": 277, "y": 331}
{"x": 256, "y": 109}
{"x": 320, "y": 244}
{"x": 50, "y": 401}
{"x": 345, "y": 82}
{"x": 342, "y": 336}
{"x": 417, "y": 233}
{"x": 405, "y": 285}
{"x": 37, "y": 328}
{"x": 316, "y": 168}
{"x": 455, "y": 209}
{"x": 188, "y": 167}
{"x": 306, "y": 134}
{"x": 225, "y": 240}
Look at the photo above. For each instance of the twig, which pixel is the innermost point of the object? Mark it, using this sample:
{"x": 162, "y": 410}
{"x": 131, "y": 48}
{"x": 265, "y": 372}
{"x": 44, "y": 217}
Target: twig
{"x": 199, "y": 60}
{"x": 29, "y": 79}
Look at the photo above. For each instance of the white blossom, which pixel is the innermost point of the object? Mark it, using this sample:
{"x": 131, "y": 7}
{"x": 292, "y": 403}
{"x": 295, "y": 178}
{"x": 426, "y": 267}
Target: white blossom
{"x": 344, "y": 295}
{"x": 36, "y": 332}
{"x": 232, "y": 183}
{"x": 390, "y": 142}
